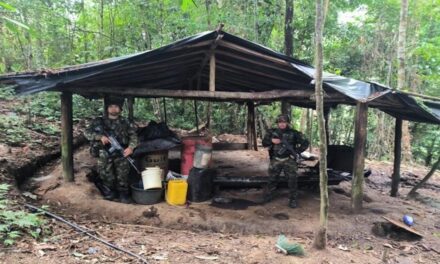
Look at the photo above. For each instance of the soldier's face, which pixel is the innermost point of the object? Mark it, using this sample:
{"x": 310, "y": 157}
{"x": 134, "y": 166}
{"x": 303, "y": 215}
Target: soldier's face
{"x": 282, "y": 125}
{"x": 113, "y": 111}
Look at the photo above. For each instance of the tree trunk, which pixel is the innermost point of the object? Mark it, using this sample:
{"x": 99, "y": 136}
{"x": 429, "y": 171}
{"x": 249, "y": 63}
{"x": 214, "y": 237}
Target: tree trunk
{"x": 413, "y": 191}
{"x": 321, "y": 234}
{"x": 286, "y": 108}
{"x": 401, "y": 75}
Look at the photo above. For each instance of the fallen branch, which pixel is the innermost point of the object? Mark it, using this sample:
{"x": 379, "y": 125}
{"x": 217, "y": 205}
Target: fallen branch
{"x": 413, "y": 191}
{"x": 82, "y": 230}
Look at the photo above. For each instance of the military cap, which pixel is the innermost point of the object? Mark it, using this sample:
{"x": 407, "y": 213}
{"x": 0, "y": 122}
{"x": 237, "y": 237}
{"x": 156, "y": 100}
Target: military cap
{"x": 283, "y": 118}
{"x": 112, "y": 100}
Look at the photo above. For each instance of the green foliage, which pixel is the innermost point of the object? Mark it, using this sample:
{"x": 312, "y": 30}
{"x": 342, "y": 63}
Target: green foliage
{"x": 15, "y": 223}
{"x": 12, "y": 130}
{"x": 70, "y": 32}
{"x": 6, "y": 93}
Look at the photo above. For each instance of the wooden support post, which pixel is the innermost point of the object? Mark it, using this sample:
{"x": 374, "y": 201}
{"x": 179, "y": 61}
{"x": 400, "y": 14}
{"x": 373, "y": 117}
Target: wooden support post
{"x": 310, "y": 127}
{"x": 105, "y": 106}
{"x": 164, "y": 102}
{"x": 251, "y": 129}
{"x": 67, "y": 136}
{"x": 248, "y": 127}
{"x": 397, "y": 157}
{"x": 197, "y": 116}
{"x": 252, "y": 125}
{"x": 212, "y": 73}
{"x": 130, "y": 104}
{"x": 211, "y": 88}
{"x": 327, "y": 118}
{"x": 360, "y": 139}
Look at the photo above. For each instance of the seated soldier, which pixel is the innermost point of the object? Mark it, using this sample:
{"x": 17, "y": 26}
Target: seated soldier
{"x": 113, "y": 168}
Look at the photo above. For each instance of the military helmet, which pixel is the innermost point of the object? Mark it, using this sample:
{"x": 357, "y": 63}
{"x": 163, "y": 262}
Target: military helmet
{"x": 283, "y": 118}
{"x": 112, "y": 100}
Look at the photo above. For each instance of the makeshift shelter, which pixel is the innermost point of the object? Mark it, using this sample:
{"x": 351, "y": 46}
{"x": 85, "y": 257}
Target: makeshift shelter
{"x": 218, "y": 66}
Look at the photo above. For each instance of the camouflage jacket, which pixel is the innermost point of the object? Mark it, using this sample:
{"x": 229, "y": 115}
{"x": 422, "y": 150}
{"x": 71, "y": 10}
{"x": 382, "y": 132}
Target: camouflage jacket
{"x": 121, "y": 128}
{"x": 294, "y": 138}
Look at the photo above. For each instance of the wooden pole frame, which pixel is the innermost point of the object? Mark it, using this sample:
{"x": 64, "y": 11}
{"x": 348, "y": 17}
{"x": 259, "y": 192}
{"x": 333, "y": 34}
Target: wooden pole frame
{"x": 67, "y": 136}
{"x": 397, "y": 157}
{"x": 360, "y": 139}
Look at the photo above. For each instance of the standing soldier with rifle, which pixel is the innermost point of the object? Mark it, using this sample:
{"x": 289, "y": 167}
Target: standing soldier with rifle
{"x": 285, "y": 145}
{"x": 113, "y": 166}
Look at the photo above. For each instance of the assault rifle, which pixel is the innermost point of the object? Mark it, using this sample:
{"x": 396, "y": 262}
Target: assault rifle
{"x": 286, "y": 146}
{"x": 116, "y": 147}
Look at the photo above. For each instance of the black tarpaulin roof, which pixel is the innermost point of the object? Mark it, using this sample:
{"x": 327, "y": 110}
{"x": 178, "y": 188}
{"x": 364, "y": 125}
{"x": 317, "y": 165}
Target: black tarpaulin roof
{"x": 242, "y": 67}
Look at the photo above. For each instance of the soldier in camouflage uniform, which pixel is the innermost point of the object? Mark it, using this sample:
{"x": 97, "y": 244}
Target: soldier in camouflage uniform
{"x": 281, "y": 159}
{"x": 113, "y": 169}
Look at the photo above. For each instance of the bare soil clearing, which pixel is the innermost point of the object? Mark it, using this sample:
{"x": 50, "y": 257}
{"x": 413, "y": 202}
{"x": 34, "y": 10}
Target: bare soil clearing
{"x": 201, "y": 233}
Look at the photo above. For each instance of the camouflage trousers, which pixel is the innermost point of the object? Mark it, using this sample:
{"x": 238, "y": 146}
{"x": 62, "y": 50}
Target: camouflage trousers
{"x": 289, "y": 167}
{"x": 113, "y": 171}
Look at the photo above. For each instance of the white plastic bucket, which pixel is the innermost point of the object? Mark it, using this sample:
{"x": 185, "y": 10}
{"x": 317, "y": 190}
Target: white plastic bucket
{"x": 152, "y": 178}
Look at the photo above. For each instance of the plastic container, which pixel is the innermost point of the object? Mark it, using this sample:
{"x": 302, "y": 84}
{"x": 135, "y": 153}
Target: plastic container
{"x": 142, "y": 196}
{"x": 155, "y": 159}
{"x": 200, "y": 184}
{"x": 176, "y": 192}
{"x": 152, "y": 178}
{"x": 202, "y": 156}
{"x": 188, "y": 149}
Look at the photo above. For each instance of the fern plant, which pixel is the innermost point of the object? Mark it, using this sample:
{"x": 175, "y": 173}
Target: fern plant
{"x": 16, "y": 223}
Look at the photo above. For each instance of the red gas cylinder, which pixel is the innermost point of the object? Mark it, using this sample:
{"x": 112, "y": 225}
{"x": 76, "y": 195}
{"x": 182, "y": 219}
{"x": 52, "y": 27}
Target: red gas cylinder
{"x": 188, "y": 149}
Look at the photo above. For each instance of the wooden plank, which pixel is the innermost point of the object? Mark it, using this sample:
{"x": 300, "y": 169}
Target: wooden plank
{"x": 67, "y": 136}
{"x": 403, "y": 226}
{"x": 397, "y": 157}
{"x": 360, "y": 140}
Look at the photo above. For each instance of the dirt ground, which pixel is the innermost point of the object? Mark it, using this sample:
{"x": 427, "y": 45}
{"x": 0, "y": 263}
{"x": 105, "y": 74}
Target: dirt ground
{"x": 202, "y": 233}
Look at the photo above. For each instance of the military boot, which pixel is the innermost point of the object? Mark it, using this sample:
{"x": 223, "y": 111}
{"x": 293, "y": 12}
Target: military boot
{"x": 106, "y": 191}
{"x": 293, "y": 203}
{"x": 124, "y": 197}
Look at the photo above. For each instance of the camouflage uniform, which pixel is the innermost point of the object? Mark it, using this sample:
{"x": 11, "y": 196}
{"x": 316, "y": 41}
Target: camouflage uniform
{"x": 113, "y": 169}
{"x": 282, "y": 160}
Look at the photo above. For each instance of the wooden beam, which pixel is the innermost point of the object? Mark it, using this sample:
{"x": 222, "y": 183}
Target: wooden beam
{"x": 209, "y": 53}
{"x": 67, "y": 136}
{"x": 397, "y": 157}
{"x": 360, "y": 140}
{"x": 194, "y": 94}
{"x": 254, "y": 53}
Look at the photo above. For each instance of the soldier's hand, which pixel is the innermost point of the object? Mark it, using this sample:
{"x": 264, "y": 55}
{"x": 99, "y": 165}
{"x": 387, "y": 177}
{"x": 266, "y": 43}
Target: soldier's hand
{"x": 276, "y": 141}
{"x": 105, "y": 140}
{"x": 128, "y": 151}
